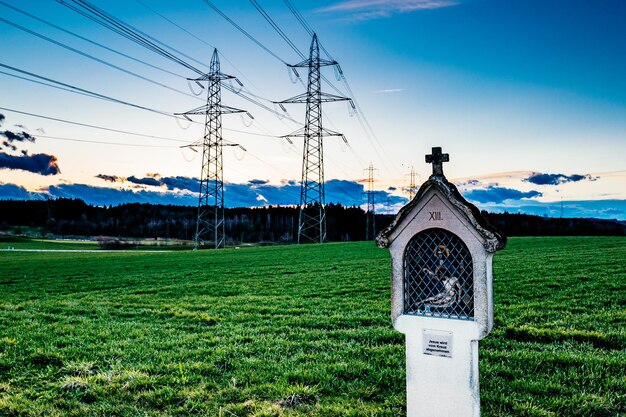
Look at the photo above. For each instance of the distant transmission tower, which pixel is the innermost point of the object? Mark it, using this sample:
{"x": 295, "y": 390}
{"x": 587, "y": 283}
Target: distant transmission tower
{"x": 312, "y": 218}
{"x": 411, "y": 187}
{"x": 210, "y": 224}
{"x": 370, "y": 215}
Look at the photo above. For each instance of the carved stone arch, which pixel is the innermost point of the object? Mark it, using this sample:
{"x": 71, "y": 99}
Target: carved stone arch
{"x": 438, "y": 276}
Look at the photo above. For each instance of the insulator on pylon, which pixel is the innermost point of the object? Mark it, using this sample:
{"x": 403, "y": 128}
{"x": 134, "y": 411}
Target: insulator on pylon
{"x": 292, "y": 71}
{"x": 339, "y": 70}
{"x": 234, "y": 89}
{"x": 243, "y": 120}
{"x": 181, "y": 126}
{"x": 191, "y": 88}
{"x": 239, "y": 82}
{"x": 250, "y": 115}
{"x": 337, "y": 73}
{"x": 278, "y": 114}
{"x": 351, "y": 109}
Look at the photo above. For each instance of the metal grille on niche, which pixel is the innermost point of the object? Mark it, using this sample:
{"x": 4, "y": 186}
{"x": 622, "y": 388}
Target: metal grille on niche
{"x": 438, "y": 276}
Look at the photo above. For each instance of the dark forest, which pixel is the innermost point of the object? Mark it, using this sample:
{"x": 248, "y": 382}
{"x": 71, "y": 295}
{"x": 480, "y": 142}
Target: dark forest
{"x": 68, "y": 217}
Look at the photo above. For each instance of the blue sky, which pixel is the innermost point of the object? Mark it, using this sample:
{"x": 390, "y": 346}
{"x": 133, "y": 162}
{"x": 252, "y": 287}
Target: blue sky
{"x": 528, "y": 97}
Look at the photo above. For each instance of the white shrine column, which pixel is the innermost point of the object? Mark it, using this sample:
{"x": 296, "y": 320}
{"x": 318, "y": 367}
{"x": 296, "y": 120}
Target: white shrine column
{"x": 441, "y": 367}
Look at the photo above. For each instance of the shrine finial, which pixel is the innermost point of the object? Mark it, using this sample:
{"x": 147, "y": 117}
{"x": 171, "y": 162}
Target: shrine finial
{"x": 437, "y": 159}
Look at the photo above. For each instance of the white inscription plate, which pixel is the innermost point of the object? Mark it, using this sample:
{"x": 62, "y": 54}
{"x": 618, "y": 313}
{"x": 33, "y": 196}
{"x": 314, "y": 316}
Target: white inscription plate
{"x": 437, "y": 343}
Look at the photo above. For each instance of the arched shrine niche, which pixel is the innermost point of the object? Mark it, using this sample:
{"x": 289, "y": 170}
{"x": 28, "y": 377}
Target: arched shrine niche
{"x": 438, "y": 276}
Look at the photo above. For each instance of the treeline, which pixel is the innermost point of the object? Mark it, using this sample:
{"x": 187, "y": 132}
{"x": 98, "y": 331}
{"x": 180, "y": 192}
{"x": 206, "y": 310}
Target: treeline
{"x": 513, "y": 224}
{"x": 67, "y": 217}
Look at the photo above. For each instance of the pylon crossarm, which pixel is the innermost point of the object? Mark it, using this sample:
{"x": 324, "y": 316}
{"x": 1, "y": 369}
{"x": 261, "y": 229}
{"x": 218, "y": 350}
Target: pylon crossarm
{"x": 325, "y": 132}
{"x": 198, "y": 110}
{"x": 300, "y": 98}
{"x": 307, "y": 62}
{"x": 219, "y": 76}
{"x": 231, "y": 110}
{"x": 324, "y": 98}
{"x": 327, "y": 97}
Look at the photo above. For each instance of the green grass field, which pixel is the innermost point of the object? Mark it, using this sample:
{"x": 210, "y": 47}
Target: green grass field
{"x": 296, "y": 331}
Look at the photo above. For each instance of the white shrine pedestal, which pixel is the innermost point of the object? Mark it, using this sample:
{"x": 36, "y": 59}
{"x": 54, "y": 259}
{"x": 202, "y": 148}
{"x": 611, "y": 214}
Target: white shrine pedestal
{"x": 441, "y": 366}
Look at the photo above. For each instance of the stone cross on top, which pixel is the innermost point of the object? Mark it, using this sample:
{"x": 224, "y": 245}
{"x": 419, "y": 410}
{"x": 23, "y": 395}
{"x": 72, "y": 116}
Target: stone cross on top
{"x": 437, "y": 159}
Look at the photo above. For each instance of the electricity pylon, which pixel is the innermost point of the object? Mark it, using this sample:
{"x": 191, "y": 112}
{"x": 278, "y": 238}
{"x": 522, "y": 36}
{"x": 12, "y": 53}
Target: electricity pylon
{"x": 312, "y": 217}
{"x": 411, "y": 187}
{"x": 370, "y": 215}
{"x": 210, "y": 225}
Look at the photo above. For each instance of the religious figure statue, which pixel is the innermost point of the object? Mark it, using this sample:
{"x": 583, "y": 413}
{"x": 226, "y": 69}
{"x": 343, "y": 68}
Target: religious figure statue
{"x": 444, "y": 275}
{"x": 450, "y": 294}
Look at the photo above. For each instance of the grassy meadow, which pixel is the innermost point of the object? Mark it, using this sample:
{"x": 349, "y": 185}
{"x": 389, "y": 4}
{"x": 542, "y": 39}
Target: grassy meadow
{"x": 295, "y": 331}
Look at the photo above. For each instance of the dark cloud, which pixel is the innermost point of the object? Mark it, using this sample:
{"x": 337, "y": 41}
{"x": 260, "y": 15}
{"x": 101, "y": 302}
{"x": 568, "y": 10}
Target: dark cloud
{"x": 258, "y": 182}
{"x": 468, "y": 183}
{"x": 144, "y": 181}
{"x": 499, "y": 194}
{"x": 2, "y": 118}
{"x": 16, "y": 192}
{"x": 391, "y": 189}
{"x": 40, "y": 163}
{"x": 101, "y": 196}
{"x": 17, "y": 137}
{"x": 110, "y": 178}
{"x": 182, "y": 183}
{"x": 6, "y": 144}
{"x": 556, "y": 179}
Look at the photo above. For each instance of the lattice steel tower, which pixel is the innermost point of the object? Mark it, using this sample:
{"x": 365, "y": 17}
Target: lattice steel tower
{"x": 370, "y": 215}
{"x": 411, "y": 188}
{"x": 312, "y": 218}
{"x": 210, "y": 224}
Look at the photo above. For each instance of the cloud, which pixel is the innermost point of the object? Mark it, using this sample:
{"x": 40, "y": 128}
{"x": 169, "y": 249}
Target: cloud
{"x": 181, "y": 183}
{"x": 2, "y": 118}
{"x": 389, "y": 90}
{"x": 144, "y": 181}
{"x": 499, "y": 194}
{"x": 258, "y": 182}
{"x": 15, "y": 192}
{"x": 17, "y": 137}
{"x": 40, "y": 163}
{"x": 101, "y": 196}
{"x": 391, "y": 189}
{"x": 6, "y": 144}
{"x": 469, "y": 183}
{"x": 110, "y": 178}
{"x": 374, "y": 9}
{"x": 556, "y": 179}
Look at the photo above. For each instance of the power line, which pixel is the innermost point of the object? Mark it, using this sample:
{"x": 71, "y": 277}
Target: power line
{"x": 131, "y": 33}
{"x": 276, "y": 27}
{"x": 108, "y": 64}
{"x": 136, "y": 145}
{"x": 88, "y": 92}
{"x": 135, "y": 35}
{"x": 90, "y": 41}
{"x": 90, "y": 126}
{"x": 242, "y": 30}
{"x": 117, "y": 130}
